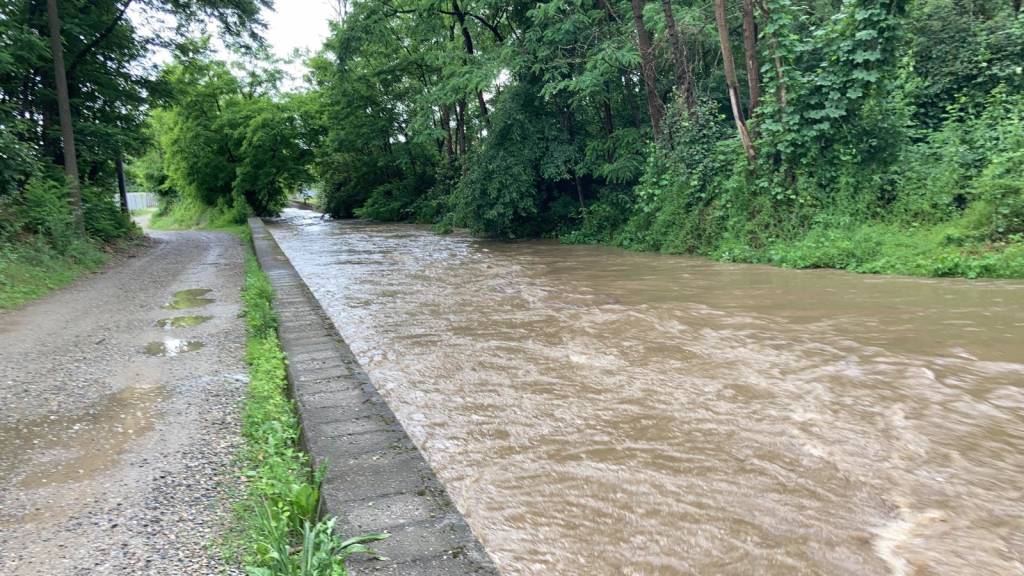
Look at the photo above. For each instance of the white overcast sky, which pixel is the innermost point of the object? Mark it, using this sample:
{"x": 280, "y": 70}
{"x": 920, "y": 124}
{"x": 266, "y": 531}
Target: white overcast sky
{"x": 298, "y": 24}
{"x": 293, "y": 24}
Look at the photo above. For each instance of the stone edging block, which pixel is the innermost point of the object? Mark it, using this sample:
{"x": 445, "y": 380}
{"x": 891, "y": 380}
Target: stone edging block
{"x": 377, "y": 479}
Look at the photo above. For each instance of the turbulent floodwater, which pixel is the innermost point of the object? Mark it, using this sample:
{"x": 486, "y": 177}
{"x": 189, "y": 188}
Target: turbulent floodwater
{"x": 594, "y": 411}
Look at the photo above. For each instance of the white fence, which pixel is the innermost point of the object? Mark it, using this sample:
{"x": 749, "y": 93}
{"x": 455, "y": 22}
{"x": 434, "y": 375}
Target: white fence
{"x": 139, "y": 200}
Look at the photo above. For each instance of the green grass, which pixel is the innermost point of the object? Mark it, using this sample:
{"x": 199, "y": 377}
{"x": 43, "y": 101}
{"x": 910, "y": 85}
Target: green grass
{"x": 277, "y": 527}
{"x": 961, "y": 246}
{"x": 886, "y": 249}
{"x": 188, "y": 215}
{"x": 945, "y": 249}
{"x": 31, "y": 268}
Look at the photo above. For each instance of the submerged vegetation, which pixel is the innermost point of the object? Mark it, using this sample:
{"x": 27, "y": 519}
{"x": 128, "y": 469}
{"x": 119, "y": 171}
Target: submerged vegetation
{"x": 278, "y": 514}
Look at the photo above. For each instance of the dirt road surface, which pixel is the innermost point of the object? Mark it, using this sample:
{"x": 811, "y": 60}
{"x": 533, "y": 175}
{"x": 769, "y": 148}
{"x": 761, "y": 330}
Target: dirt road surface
{"x": 117, "y": 432}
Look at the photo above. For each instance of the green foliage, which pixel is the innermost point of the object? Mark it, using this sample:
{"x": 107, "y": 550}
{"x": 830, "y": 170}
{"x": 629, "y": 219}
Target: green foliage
{"x": 221, "y": 141}
{"x": 283, "y": 536}
{"x": 322, "y": 553}
{"x": 887, "y": 136}
{"x": 109, "y": 87}
{"x": 148, "y": 173}
{"x": 43, "y": 211}
{"x": 104, "y": 220}
{"x": 961, "y": 50}
{"x": 186, "y": 213}
{"x": 40, "y": 250}
{"x": 845, "y": 178}
{"x": 270, "y": 160}
{"x": 32, "y": 267}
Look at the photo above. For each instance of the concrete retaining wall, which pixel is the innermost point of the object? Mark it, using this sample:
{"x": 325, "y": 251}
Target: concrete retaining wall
{"x": 377, "y": 480}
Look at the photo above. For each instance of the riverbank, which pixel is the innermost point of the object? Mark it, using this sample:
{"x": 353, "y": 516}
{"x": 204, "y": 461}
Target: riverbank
{"x": 375, "y": 478}
{"x": 278, "y": 526}
{"x": 949, "y": 249}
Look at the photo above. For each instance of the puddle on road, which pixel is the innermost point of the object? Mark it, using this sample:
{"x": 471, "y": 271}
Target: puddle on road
{"x": 182, "y": 321}
{"x": 172, "y": 347}
{"x": 191, "y": 298}
{"x": 59, "y": 449}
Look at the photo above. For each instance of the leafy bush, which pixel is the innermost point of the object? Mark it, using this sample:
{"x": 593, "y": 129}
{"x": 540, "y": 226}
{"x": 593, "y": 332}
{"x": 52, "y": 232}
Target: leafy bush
{"x": 44, "y": 211}
{"x": 398, "y": 200}
{"x": 104, "y": 220}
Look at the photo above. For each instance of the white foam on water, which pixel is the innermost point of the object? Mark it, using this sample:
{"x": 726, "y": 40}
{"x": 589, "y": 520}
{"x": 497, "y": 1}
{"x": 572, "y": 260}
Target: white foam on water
{"x": 892, "y": 537}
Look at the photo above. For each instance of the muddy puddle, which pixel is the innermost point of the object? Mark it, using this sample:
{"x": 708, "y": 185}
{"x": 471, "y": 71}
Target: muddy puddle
{"x": 191, "y": 298}
{"x": 172, "y": 347}
{"x": 182, "y": 321}
{"x": 61, "y": 449}
{"x": 601, "y": 412}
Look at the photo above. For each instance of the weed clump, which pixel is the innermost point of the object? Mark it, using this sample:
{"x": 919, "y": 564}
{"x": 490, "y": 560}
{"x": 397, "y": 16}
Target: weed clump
{"x": 281, "y": 532}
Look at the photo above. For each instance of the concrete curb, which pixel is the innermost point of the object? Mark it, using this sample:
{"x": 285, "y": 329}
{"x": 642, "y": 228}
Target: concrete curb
{"x": 377, "y": 480}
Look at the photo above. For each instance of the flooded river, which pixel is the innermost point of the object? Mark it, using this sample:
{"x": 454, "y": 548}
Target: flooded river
{"x": 594, "y": 411}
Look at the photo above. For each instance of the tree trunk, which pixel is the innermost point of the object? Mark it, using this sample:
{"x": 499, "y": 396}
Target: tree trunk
{"x": 643, "y": 39}
{"x": 607, "y": 120}
{"x": 121, "y": 190}
{"x": 467, "y": 43}
{"x": 483, "y": 107}
{"x": 569, "y": 125}
{"x": 64, "y": 109}
{"x": 681, "y": 60}
{"x": 750, "y": 52}
{"x": 731, "y": 84}
{"x": 631, "y": 91}
{"x": 460, "y": 127}
{"x": 446, "y": 119}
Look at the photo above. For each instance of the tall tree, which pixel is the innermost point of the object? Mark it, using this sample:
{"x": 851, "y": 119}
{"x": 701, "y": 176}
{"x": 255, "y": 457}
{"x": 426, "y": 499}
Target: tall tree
{"x": 64, "y": 109}
{"x": 467, "y": 43}
{"x": 122, "y": 191}
{"x": 643, "y": 40}
{"x": 731, "y": 83}
{"x": 750, "y": 55}
{"x": 680, "y": 58}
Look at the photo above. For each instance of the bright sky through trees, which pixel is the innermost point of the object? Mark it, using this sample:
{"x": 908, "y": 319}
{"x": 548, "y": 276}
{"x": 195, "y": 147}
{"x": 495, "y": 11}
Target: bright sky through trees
{"x": 298, "y": 24}
{"x": 291, "y": 25}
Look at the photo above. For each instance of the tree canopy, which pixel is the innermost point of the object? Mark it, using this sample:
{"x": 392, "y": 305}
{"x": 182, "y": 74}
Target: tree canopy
{"x": 875, "y": 135}
{"x": 111, "y": 86}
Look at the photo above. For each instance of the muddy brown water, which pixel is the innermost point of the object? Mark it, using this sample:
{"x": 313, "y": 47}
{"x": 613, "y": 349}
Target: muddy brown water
{"x": 595, "y": 411}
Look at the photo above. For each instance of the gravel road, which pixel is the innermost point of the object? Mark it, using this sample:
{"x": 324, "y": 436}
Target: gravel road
{"x": 115, "y": 459}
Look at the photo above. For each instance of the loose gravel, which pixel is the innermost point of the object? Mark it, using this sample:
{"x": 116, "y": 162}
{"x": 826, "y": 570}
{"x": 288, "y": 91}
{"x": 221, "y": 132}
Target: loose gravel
{"x": 113, "y": 461}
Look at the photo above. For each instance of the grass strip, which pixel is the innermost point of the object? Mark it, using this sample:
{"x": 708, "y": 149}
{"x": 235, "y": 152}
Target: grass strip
{"x": 31, "y": 268}
{"x": 281, "y": 534}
